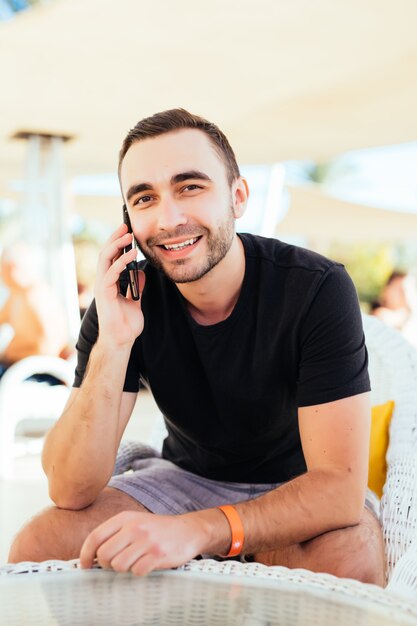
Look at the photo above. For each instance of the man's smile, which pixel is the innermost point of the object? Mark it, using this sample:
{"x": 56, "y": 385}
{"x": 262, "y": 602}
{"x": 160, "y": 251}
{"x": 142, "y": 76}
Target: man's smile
{"x": 179, "y": 245}
{"x": 179, "y": 249}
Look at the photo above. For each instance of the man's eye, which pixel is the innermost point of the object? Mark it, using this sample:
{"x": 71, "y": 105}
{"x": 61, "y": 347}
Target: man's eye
{"x": 192, "y": 187}
{"x": 142, "y": 200}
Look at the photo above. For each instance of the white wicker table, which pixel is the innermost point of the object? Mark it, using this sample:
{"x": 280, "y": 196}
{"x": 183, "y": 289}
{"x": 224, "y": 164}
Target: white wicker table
{"x": 202, "y": 593}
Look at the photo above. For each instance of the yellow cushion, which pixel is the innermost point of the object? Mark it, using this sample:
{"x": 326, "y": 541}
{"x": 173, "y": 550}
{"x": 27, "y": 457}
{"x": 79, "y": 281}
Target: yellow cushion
{"x": 381, "y": 417}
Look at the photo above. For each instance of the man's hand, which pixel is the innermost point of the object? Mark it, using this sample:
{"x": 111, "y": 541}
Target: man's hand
{"x": 142, "y": 542}
{"x": 120, "y": 318}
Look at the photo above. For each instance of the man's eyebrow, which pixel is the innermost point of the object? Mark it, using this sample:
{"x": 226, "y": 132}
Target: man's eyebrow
{"x": 134, "y": 189}
{"x": 191, "y": 175}
{"x": 177, "y": 178}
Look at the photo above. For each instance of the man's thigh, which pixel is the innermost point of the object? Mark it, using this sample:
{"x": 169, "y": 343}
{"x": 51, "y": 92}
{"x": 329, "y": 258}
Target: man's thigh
{"x": 59, "y": 533}
{"x": 353, "y": 552}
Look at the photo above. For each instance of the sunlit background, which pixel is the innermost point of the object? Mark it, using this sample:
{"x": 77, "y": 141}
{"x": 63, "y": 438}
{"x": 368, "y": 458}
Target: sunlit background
{"x": 318, "y": 99}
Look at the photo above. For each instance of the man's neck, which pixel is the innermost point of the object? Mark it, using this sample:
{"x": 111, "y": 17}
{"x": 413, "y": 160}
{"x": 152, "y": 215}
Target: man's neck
{"x": 212, "y": 299}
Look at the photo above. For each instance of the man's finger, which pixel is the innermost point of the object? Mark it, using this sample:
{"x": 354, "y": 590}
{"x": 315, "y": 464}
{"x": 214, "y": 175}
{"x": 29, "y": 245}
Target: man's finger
{"x": 112, "y": 251}
{"x": 96, "y": 538}
{"x": 126, "y": 558}
{"x": 115, "y": 545}
{"x": 117, "y": 267}
{"x": 145, "y": 565}
{"x": 120, "y": 230}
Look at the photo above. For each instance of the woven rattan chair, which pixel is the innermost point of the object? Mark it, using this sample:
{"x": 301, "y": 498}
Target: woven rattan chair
{"x": 393, "y": 369}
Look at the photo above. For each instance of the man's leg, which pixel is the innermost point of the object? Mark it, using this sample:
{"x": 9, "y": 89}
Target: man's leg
{"x": 354, "y": 552}
{"x": 59, "y": 534}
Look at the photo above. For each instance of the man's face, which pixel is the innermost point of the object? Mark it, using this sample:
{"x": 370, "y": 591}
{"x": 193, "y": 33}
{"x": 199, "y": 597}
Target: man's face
{"x": 180, "y": 203}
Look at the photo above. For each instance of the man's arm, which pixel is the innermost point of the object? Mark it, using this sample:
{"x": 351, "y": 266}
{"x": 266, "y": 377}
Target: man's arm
{"x": 81, "y": 448}
{"x": 330, "y": 495}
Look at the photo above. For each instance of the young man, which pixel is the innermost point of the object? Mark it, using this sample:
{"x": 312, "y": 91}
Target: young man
{"x": 255, "y": 354}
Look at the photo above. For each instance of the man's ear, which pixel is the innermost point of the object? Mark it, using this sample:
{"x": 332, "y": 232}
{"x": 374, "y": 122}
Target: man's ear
{"x": 240, "y": 195}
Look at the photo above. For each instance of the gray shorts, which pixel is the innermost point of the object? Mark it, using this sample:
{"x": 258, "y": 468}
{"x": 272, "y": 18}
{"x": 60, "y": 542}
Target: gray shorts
{"x": 166, "y": 489}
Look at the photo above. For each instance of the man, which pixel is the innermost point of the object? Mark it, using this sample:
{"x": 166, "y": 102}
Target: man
{"x": 254, "y": 352}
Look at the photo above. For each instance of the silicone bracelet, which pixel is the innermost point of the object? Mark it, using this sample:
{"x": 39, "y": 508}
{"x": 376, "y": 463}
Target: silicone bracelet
{"x": 236, "y": 526}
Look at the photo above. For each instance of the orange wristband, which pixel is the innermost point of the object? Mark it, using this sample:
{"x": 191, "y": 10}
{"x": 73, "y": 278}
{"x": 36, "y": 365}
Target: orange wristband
{"x": 236, "y": 526}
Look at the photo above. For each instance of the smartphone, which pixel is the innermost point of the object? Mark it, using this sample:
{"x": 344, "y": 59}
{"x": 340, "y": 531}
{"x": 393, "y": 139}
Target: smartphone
{"x": 132, "y": 267}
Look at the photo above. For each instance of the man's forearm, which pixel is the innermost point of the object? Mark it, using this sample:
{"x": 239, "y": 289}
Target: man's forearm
{"x": 309, "y": 505}
{"x": 80, "y": 450}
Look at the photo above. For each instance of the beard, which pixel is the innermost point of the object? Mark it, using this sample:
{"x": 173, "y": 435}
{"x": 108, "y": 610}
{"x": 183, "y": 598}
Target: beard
{"x": 184, "y": 270}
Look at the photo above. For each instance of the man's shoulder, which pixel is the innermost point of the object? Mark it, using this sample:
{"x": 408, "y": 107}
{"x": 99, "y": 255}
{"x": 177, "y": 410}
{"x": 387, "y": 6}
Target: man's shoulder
{"x": 285, "y": 256}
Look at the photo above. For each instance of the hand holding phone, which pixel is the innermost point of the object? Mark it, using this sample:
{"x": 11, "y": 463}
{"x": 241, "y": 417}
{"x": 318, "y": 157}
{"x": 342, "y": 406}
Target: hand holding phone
{"x": 132, "y": 267}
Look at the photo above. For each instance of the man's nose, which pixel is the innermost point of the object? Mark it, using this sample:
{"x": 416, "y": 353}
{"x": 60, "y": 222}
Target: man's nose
{"x": 170, "y": 214}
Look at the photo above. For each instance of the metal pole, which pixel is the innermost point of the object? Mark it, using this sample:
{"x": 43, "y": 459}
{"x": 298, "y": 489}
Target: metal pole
{"x": 45, "y": 222}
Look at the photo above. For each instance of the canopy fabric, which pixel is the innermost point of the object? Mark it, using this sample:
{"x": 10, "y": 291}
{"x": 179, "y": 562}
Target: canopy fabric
{"x": 284, "y": 80}
{"x": 321, "y": 218}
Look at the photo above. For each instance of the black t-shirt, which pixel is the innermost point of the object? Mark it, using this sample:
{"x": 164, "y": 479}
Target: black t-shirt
{"x": 229, "y": 392}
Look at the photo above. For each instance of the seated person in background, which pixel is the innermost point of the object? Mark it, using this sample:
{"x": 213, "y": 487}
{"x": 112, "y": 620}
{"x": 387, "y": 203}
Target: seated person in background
{"x": 255, "y": 353}
{"x": 32, "y": 310}
{"x": 398, "y": 304}
{"x": 86, "y": 251}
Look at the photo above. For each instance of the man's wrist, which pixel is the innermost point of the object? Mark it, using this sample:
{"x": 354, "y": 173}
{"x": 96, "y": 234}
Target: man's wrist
{"x": 214, "y": 530}
{"x": 107, "y": 344}
{"x": 107, "y": 359}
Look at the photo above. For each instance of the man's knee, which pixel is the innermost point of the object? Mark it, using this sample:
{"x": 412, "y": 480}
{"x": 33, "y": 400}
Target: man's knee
{"x": 356, "y": 552}
{"x": 38, "y": 540}
{"x": 367, "y": 560}
{"x": 59, "y": 533}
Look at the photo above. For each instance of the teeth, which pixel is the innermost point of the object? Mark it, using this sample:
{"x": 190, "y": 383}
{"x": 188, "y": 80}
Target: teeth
{"x": 178, "y": 246}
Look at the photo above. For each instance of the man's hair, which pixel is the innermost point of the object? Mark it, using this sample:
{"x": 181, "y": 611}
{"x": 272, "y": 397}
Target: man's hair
{"x": 177, "y": 119}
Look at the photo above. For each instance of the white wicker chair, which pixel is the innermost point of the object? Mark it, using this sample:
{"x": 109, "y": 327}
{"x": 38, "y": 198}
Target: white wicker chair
{"x": 393, "y": 369}
{"x": 28, "y": 403}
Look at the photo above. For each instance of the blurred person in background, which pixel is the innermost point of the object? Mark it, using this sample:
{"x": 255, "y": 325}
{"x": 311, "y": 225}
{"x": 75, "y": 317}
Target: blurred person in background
{"x": 86, "y": 251}
{"x": 32, "y": 317}
{"x": 397, "y": 305}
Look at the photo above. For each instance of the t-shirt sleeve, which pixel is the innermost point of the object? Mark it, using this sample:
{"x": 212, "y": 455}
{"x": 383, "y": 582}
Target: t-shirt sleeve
{"x": 87, "y": 337}
{"x": 86, "y": 340}
{"x": 333, "y": 356}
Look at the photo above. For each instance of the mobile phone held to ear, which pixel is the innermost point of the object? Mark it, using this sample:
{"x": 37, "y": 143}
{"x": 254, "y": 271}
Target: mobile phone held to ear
{"x": 132, "y": 267}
